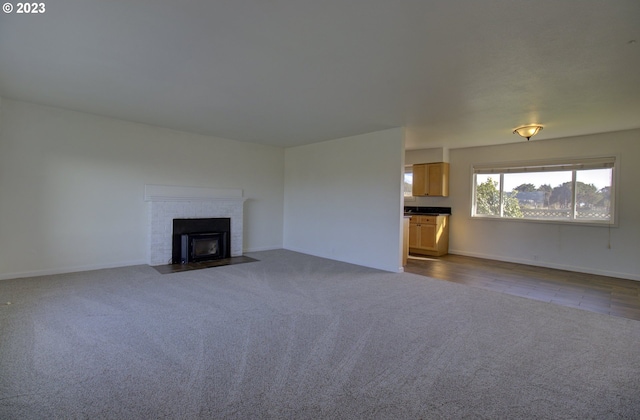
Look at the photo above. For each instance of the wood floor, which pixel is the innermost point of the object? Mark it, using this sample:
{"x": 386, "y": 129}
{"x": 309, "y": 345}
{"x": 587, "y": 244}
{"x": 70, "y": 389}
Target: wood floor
{"x": 607, "y": 295}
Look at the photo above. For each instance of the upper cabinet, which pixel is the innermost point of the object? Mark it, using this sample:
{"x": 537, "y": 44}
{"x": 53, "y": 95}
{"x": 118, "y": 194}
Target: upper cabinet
{"x": 431, "y": 179}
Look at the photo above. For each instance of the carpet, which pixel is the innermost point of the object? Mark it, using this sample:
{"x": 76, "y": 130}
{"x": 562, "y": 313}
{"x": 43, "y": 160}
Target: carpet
{"x": 301, "y": 337}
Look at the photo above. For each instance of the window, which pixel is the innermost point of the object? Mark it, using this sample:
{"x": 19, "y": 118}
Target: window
{"x": 408, "y": 181}
{"x": 569, "y": 191}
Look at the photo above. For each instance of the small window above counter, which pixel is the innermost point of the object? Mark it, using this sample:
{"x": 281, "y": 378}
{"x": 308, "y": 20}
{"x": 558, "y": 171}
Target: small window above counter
{"x": 431, "y": 179}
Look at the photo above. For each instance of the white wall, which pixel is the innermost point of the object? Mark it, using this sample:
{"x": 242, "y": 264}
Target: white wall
{"x": 570, "y": 247}
{"x": 343, "y": 199}
{"x": 436, "y": 154}
{"x": 72, "y": 185}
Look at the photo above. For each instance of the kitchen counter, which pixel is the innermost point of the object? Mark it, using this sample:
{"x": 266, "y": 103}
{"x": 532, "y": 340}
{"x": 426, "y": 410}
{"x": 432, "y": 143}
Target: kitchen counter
{"x": 427, "y": 211}
{"x": 428, "y": 230}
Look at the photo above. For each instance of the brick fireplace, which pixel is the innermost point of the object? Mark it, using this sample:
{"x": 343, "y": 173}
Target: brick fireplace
{"x": 167, "y": 203}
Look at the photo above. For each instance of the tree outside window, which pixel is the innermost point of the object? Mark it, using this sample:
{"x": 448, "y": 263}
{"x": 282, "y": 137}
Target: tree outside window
{"x": 488, "y": 200}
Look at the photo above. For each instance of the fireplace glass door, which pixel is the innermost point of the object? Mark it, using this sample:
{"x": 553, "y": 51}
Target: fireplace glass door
{"x": 203, "y": 247}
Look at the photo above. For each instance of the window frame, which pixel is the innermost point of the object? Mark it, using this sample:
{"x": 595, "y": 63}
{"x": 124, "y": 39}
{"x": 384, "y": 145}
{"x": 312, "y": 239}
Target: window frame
{"x": 568, "y": 164}
{"x": 407, "y": 168}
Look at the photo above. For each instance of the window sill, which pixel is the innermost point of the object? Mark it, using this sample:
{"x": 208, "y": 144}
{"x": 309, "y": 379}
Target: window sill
{"x": 592, "y": 223}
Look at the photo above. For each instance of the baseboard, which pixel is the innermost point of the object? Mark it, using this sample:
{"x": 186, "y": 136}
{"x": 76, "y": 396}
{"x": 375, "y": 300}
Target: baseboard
{"x": 627, "y": 276}
{"x": 64, "y": 270}
{"x": 262, "y": 248}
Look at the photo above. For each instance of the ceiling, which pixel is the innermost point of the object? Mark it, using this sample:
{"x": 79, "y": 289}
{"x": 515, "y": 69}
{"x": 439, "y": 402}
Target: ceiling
{"x": 455, "y": 73}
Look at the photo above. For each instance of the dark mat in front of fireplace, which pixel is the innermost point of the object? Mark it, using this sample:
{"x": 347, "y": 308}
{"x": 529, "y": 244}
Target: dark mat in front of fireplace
{"x": 178, "y": 268}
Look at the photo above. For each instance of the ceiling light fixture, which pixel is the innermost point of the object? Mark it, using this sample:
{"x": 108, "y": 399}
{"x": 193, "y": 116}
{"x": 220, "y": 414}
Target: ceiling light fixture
{"x": 527, "y": 131}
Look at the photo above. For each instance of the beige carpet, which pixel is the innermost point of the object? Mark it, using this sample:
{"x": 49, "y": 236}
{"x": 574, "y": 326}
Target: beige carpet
{"x": 295, "y": 336}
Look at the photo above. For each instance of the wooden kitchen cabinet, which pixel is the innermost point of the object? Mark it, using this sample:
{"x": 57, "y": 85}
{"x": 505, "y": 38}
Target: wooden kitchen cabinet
{"x": 429, "y": 235}
{"x": 431, "y": 179}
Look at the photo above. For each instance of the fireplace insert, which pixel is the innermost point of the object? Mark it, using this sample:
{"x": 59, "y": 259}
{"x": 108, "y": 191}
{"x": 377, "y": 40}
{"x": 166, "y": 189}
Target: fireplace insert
{"x": 202, "y": 247}
{"x": 201, "y": 239}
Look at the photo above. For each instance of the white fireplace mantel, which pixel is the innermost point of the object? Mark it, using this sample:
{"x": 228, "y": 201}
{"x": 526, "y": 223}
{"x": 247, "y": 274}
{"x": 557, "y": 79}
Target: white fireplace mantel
{"x": 168, "y": 202}
{"x": 176, "y": 193}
